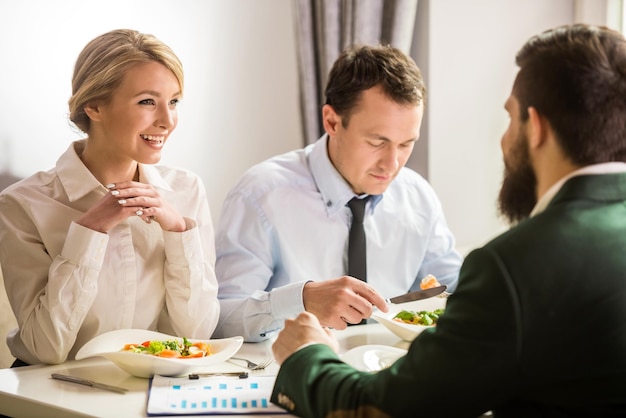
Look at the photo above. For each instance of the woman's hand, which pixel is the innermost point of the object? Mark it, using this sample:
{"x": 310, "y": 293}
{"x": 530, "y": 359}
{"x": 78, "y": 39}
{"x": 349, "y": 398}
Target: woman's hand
{"x": 131, "y": 198}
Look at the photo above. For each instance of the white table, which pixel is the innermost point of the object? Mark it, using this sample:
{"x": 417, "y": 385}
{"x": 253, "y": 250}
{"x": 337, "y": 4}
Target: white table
{"x": 31, "y": 392}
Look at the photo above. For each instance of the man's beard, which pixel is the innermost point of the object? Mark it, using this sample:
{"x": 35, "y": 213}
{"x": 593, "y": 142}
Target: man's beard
{"x": 518, "y": 194}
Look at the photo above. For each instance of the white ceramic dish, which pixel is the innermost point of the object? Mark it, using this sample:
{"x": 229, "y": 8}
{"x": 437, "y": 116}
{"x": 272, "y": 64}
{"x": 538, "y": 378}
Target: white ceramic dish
{"x": 109, "y": 344}
{"x": 372, "y": 358}
{"x": 408, "y": 332}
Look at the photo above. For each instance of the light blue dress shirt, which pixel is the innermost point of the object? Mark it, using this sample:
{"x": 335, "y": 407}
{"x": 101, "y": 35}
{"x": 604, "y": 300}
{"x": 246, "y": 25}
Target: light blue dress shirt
{"x": 286, "y": 222}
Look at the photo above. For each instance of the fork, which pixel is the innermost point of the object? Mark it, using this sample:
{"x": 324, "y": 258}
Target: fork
{"x": 256, "y": 366}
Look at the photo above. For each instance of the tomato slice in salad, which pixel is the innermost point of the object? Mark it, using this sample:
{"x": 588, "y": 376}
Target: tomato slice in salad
{"x": 171, "y": 348}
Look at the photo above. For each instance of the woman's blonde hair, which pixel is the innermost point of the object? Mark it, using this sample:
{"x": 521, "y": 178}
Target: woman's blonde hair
{"x": 101, "y": 66}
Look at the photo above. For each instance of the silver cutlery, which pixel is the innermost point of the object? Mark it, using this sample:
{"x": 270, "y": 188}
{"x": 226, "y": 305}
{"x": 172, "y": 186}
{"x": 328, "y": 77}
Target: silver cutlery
{"x": 419, "y": 294}
{"x": 87, "y": 382}
{"x": 255, "y": 366}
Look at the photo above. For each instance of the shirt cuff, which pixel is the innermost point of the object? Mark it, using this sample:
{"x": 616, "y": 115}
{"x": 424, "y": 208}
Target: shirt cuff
{"x": 182, "y": 247}
{"x": 286, "y": 301}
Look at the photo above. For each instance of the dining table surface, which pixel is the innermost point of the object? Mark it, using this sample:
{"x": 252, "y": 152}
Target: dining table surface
{"x": 31, "y": 392}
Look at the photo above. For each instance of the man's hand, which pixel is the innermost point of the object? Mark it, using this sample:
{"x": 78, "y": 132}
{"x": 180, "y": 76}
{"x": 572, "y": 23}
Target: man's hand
{"x": 303, "y": 330}
{"x": 338, "y": 302}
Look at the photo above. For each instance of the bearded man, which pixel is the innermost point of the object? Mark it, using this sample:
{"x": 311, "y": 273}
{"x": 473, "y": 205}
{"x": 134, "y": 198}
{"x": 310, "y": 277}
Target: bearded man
{"x": 537, "y": 325}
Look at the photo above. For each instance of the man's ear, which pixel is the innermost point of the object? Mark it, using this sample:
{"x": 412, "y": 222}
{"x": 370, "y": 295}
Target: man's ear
{"x": 537, "y": 128}
{"x": 93, "y": 110}
{"x": 330, "y": 119}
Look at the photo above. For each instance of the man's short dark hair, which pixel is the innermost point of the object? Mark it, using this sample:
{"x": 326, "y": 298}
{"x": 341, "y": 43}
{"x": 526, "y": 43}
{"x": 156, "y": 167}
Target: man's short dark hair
{"x": 360, "y": 68}
{"x": 575, "y": 76}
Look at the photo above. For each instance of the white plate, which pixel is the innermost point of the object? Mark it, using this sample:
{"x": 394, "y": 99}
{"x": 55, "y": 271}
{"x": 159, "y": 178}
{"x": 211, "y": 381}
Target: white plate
{"x": 408, "y": 332}
{"x": 110, "y": 344}
{"x": 372, "y": 358}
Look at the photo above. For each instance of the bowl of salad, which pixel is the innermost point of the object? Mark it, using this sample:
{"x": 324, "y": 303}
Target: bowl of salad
{"x": 145, "y": 353}
{"x": 408, "y": 320}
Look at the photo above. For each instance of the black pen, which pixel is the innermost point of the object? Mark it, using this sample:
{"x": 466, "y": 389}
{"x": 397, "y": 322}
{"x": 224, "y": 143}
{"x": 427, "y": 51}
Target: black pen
{"x": 196, "y": 376}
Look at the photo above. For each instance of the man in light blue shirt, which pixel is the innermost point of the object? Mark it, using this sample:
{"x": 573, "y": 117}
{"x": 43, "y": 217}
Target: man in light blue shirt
{"x": 283, "y": 233}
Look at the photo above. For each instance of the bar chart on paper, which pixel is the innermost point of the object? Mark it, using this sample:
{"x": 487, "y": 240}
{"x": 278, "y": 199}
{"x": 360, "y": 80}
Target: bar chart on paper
{"x": 211, "y": 395}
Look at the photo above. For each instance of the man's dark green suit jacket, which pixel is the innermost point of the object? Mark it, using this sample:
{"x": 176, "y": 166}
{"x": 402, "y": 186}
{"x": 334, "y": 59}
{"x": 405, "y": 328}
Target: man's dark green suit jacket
{"x": 536, "y": 328}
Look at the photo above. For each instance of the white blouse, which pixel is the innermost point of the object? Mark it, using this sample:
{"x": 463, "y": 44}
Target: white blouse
{"x": 67, "y": 283}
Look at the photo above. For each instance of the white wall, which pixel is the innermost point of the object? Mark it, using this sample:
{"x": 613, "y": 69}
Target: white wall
{"x": 240, "y": 103}
{"x": 471, "y": 67}
{"x": 472, "y": 46}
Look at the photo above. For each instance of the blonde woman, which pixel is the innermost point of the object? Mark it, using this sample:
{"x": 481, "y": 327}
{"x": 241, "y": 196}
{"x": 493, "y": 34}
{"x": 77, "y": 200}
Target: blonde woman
{"x": 107, "y": 240}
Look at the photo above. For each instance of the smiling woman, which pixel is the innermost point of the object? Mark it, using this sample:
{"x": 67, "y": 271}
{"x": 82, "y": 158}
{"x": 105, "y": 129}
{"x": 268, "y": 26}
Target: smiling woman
{"x": 106, "y": 224}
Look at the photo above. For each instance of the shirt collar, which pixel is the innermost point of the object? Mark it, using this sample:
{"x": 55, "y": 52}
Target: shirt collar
{"x": 78, "y": 181}
{"x": 75, "y": 177}
{"x": 334, "y": 189}
{"x": 150, "y": 175}
{"x": 595, "y": 169}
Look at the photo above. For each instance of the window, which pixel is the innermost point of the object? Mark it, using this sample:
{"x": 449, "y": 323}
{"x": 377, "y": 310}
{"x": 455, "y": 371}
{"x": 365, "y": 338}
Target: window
{"x": 615, "y": 15}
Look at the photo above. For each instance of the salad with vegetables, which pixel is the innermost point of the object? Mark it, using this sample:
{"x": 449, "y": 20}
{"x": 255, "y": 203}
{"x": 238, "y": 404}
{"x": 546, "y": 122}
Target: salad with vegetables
{"x": 420, "y": 317}
{"x": 171, "y": 348}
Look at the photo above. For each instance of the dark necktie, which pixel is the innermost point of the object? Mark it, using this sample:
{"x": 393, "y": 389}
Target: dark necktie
{"x": 357, "y": 265}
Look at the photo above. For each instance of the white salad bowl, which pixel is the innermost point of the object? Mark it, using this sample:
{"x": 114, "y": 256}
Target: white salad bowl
{"x": 110, "y": 344}
{"x": 408, "y": 332}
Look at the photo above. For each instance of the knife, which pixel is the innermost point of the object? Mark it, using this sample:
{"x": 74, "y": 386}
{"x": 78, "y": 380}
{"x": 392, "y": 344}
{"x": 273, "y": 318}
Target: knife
{"x": 87, "y": 382}
{"x": 419, "y": 294}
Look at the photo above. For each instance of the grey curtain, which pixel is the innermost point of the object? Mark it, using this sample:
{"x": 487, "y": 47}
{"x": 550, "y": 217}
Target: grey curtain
{"x": 326, "y": 27}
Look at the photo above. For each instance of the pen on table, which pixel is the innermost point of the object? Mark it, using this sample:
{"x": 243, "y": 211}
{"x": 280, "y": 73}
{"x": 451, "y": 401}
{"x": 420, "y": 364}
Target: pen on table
{"x": 241, "y": 375}
{"x": 87, "y": 382}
